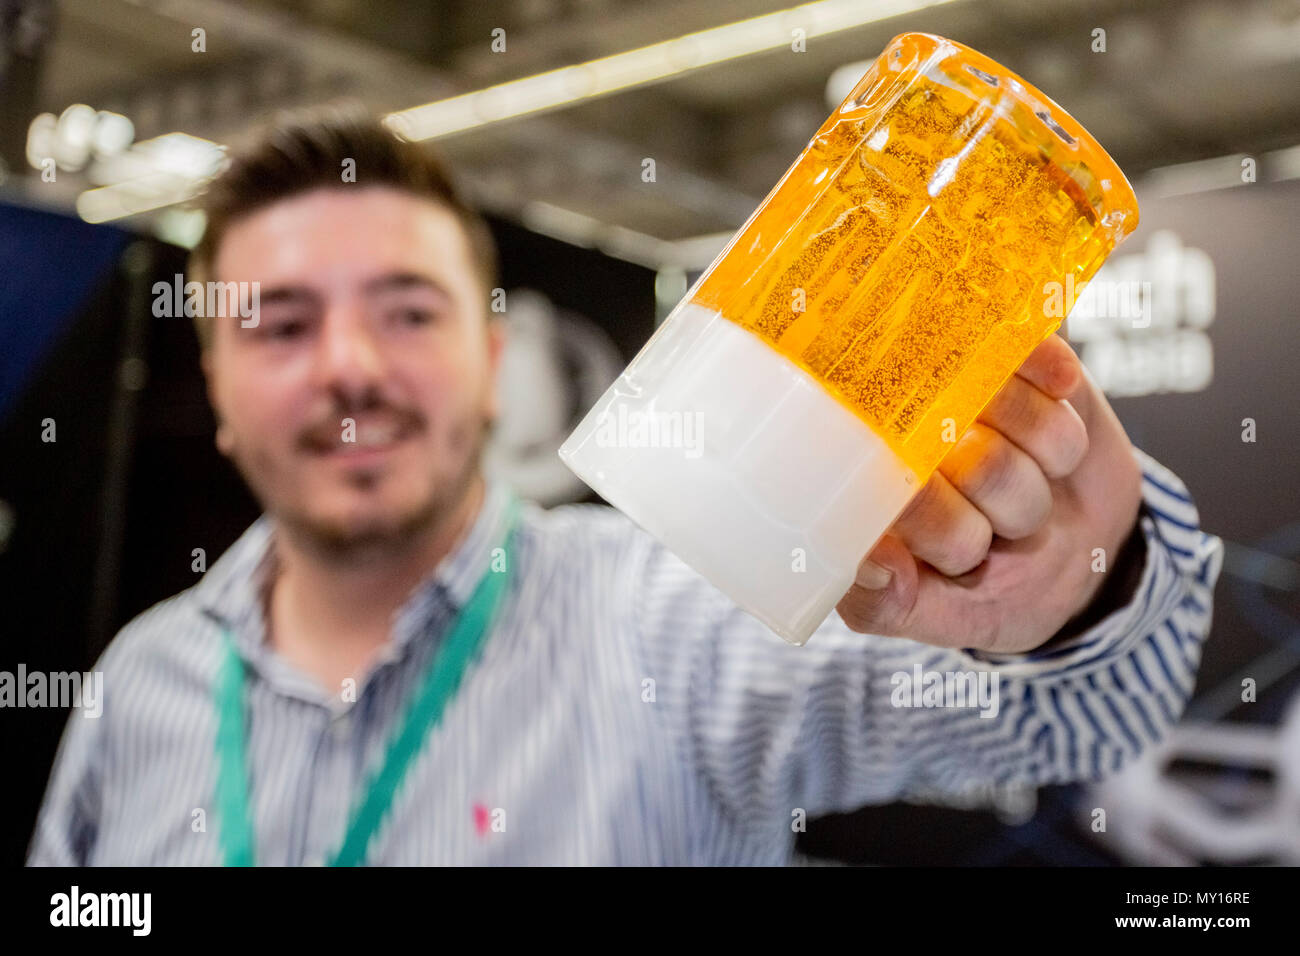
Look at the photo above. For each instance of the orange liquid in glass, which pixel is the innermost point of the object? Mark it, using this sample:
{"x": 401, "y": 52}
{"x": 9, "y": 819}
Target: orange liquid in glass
{"x": 904, "y": 259}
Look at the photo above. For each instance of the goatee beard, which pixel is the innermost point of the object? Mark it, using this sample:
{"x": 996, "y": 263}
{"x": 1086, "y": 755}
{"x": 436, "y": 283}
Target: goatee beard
{"x": 342, "y": 544}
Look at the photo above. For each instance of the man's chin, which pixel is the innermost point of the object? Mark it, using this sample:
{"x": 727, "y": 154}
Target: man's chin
{"x": 356, "y": 530}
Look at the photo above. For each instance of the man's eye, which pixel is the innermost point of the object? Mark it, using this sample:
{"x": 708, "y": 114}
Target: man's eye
{"x": 284, "y": 329}
{"x": 412, "y": 316}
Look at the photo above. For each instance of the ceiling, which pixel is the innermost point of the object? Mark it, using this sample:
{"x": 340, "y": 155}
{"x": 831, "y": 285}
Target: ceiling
{"x": 1180, "y": 80}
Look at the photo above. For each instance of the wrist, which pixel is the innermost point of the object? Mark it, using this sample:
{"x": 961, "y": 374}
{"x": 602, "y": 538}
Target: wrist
{"x": 1118, "y": 586}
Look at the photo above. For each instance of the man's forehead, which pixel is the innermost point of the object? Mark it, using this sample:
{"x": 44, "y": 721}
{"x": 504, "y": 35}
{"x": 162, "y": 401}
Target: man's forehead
{"x": 345, "y": 234}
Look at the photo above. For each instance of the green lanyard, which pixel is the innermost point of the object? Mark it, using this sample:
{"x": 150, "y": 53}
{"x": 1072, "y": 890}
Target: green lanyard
{"x": 422, "y": 714}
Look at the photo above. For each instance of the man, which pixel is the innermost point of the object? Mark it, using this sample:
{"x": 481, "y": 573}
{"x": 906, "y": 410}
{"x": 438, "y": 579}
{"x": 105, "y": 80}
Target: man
{"x": 617, "y": 708}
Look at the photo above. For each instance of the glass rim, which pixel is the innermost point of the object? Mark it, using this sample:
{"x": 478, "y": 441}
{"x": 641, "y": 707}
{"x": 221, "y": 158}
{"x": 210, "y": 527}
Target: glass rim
{"x": 1062, "y": 138}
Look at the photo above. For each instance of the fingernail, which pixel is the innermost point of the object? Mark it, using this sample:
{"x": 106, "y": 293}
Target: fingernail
{"x": 872, "y": 576}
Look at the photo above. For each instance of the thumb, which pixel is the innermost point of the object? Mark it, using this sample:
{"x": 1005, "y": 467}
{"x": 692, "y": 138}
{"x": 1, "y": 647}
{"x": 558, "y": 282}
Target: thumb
{"x": 882, "y": 598}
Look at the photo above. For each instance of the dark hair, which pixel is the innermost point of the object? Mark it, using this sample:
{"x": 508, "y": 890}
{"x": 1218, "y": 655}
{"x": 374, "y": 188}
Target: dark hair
{"x": 303, "y": 150}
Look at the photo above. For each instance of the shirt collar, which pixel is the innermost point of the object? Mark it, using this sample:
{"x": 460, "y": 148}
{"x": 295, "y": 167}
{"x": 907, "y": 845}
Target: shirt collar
{"x": 231, "y": 590}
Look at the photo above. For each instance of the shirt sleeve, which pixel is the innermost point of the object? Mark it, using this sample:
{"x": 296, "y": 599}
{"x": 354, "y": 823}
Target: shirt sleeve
{"x": 67, "y": 823}
{"x": 774, "y": 729}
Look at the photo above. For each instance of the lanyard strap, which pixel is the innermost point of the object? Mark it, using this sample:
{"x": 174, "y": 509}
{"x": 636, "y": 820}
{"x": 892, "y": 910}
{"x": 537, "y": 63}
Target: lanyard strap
{"x": 423, "y": 712}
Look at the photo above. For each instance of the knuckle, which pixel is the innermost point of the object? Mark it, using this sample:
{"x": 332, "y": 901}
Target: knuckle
{"x": 1071, "y": 443}
{"x": 923, "y": 503}
{"x": 985, "y": 468}
{"x": 1071, "y": 367}
{"x": 1020, "y": 410}
{"x": 1084, "y": 442}
{"x": 964, "y": 549}
{"x": 1033, "y": 506}
{"x": 1009, "y": 411}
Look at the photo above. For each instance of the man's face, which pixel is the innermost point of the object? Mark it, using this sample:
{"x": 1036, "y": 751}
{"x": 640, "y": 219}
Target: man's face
{"x": 371, "y": 313}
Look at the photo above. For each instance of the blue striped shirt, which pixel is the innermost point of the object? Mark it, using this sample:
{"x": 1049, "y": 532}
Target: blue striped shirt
{"x": 622, "y": 711}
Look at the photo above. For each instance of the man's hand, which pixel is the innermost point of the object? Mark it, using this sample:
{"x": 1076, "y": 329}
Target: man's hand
{"x": 996, "y": 551}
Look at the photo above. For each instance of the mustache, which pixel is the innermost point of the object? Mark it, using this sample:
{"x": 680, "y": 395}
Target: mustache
{"x": 326, "y": 429}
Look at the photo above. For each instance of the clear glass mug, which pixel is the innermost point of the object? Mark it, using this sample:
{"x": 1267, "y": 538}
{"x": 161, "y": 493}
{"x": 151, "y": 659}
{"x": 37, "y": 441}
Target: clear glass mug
{"x": 909, "y": 261}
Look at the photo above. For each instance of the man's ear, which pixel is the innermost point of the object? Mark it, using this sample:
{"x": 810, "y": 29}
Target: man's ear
{"x": 496, "y": 332}
{"x": 223, "y": 439}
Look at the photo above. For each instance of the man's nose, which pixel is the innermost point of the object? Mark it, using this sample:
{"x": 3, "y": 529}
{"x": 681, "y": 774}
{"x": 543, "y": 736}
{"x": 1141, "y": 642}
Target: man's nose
{"x": 349, "y": 356}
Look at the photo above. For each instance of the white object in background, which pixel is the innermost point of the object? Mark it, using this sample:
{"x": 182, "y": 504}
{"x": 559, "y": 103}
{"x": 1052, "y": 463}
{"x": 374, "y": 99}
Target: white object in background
{"x": 555, "y": 364}
{"x": 1154, "y": 820}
